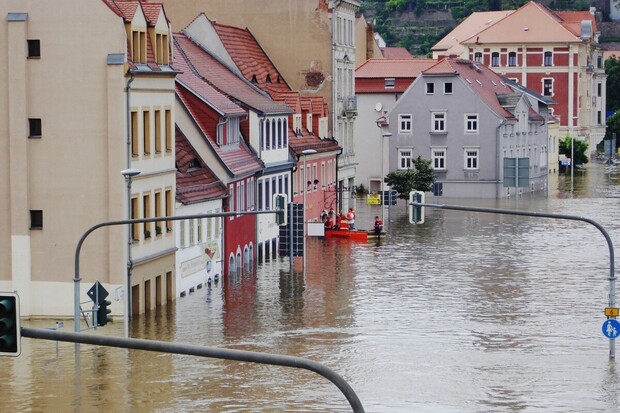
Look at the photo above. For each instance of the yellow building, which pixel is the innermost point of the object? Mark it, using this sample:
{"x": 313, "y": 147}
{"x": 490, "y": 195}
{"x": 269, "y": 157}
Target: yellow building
{"x": 86, "y": 91}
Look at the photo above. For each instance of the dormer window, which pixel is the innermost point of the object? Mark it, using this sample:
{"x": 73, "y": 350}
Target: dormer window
{"x": 193, "y": 164}
{"x": 297, "y": 124}
{"x": 390, "y": 82}
{"x": 138, "y": 46}
{"x": 162, "y": 49}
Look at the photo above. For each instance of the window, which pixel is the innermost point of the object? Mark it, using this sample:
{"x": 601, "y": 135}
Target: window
{"x": 36, "y": 219}
{"x": 390, "y": 82}
{"x": 438, "y": 122}
{"x": 146, "y": 213}
{"x": 161, "y": 44}
{"x": 439, "y": 158}
{"x": 405, "y": 159}
{"x": 447, "y": 88}
{"x": 158, "y": 212}
{"x": 430, "y": 88}
{"x": 495, "y": 59}
{"x": 34, "y": 49}
{"x": 135, "y": 228}
{"x": 548, "y": 59}
{"x": 192, "y": 230}
{"x": 512, "y": 59}
{"x": 404, "y": 123}
{"x": 599, "y": 61}
{"x": 34, "y": 126}
{"x": 146, "y": 124}
{"x": 478, "y": 57}
{"x": 182, "y": 233}
{"x": 168, "y": 209}
{"x": 134, "y": 134}
{"x": 199, "y": 230}
{"x": 471, "y": 123}
{"x": 157, "y": 131}
{"x": 599, "y": 117}
{"x": 548, "y": 87}
{"x": 599, "y": 89}
{"x": 138, "y": 47}
{"x": 168, "y": 131}
{"x": 471, "y": 159}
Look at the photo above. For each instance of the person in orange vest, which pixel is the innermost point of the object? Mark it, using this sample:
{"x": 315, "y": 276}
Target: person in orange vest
{"x": 378, "y": 225}
{"x": 343, "y": 223}
{"x": 351, "y": 218}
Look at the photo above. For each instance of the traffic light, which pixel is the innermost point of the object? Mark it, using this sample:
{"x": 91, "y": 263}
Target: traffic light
{"x": 416, "y": 213}
{"x": 281, "y": 205}
{"x": 102, "y": 313}
{"x": 10, "y": 333}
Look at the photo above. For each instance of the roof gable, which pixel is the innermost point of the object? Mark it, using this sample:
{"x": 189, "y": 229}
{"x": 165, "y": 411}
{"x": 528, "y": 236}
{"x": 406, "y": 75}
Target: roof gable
{"x": 393, "y": 68}
{"x": 531, "y": 23}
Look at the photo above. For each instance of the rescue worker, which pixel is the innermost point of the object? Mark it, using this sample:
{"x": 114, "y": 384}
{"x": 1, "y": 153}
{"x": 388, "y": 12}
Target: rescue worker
{"x": 351, "y": 218}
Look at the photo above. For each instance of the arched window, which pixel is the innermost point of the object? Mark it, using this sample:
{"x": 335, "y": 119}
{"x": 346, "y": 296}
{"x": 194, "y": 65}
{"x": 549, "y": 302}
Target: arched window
{"x": 231, "y": 266}
{"x": 279, "y": 133}
{"x": 512, "y": 59}
{"x": 495, "y": 59}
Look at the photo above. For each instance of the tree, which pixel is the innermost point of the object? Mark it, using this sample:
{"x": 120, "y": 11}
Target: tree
{"x": 579, "y": 149}
{"x": 612, "y": 68}
{"x": 419, "y": 179}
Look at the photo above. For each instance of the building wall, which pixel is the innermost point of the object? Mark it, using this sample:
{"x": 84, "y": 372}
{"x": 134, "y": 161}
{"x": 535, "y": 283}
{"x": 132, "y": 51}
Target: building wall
{"x": 199, "y": 256}
{"x": 71, "y": 172}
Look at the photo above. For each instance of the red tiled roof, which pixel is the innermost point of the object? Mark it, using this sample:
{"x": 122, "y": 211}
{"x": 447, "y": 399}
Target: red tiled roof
{"x": 238, "y": 159}
{"x": 127, "y": 8}
{"x": 208, "y": 93}
{"x": 194, "y": 184}
{"x": 382, "y": 68}
{"x": 531, "y": 23}
{"x": 484, "y": 82}
{"x": 396, "y": 53}
{"x": 250, "y": 57}
{"x": 212, "y": 71}
{"x": 572, "y": 20}
{"x": 151, "y": 12}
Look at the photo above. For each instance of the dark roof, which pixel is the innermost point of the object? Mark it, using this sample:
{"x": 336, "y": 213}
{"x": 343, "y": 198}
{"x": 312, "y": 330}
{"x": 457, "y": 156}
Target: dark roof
{"x": 195, "y": 181}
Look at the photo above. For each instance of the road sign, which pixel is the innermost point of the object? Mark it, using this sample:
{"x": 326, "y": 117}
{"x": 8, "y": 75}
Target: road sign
{"x": 611, "y": 328}
{"x": 97, "y": 291}
{"x": 612, "y": 312}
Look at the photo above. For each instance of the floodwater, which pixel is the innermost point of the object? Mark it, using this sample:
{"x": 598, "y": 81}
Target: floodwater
{"x": 469, "y": 312}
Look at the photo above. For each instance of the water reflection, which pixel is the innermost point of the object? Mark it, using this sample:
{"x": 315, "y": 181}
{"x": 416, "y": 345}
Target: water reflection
{"x": 469, "y": 312}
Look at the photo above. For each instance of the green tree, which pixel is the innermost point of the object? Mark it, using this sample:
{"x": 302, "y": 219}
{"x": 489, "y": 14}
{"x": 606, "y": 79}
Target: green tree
{"x": 612, "y": 68}
{"x": 579, "y": 149}
{"x": 419, "y": 179}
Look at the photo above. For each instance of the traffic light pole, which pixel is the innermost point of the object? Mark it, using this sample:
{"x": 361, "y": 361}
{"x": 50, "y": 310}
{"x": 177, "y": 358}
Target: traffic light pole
{"x": 77, "y": 278}
{"x": 612, "y": 276}
{"x": 193, "y": 350}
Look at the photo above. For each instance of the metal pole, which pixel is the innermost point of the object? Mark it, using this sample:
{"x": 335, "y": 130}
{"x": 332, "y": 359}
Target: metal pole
{"x": 193, "y": 350}
{"x": 612, "y": 276}
{"x": 304, "y": 215}
{"x": 382, "y": 180}
{"x": 572, "y": 162}
{"x": 129, "y": 263}
{"x": 290, "y": 233}
{"x": 78, "y": 248}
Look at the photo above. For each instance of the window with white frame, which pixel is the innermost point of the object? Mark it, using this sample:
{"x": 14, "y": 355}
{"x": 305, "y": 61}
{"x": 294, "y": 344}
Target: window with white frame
{"x": 405, "y": 158}
{"x": 495, "y": 59}
{"x": 390, "y": 82}
{"x": 478, "y": 57}
{"x": 548, "y": 59}
{"x": 430, "y": 88}
{"x": 438, "y": 156}
{"x": 471, "y": 123}
{"x": 447, "y": 88}
{"x": 471, "y": 158}
{"x": 438, "y": 122}
{"x": 297, "y": 124}
{"x": 512, "y": 59}
{"x": 548, "y": 87}
{"x": 404, "y": 123}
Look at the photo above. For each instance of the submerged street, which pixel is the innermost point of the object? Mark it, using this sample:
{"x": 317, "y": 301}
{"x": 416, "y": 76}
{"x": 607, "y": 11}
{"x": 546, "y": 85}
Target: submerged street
{"x": 469, "y": 312}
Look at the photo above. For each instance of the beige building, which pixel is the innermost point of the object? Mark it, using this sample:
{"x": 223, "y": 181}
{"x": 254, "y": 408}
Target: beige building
{"x": 315, "y": 44}
{"x": 86, "y": 92}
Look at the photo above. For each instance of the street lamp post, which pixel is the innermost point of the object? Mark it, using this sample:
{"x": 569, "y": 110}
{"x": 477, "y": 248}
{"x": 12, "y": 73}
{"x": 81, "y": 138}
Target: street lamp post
{"x": 383, "y": 195}
{"x": 129, "y": 174}
{"x": 305, "y": 153}
{"x": 572, "y": 153}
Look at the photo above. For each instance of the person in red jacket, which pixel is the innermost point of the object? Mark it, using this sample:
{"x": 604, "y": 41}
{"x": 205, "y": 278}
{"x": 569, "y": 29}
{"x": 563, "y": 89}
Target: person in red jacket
{"x": 378, "y": 225}
{"x": 351, "y": 218}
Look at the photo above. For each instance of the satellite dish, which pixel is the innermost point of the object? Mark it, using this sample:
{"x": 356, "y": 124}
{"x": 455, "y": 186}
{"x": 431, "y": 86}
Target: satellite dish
{"x": 378, "y": 106}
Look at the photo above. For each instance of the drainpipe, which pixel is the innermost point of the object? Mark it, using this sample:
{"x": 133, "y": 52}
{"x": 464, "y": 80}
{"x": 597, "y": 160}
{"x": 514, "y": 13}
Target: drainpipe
{"x": 131, "y": 79}
{"x": 338, "y": 193}
{"x": 497, "y": 162}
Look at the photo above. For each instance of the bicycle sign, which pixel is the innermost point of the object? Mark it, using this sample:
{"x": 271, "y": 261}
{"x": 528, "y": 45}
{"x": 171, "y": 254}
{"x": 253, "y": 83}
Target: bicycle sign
{"x": 611, "y": 328}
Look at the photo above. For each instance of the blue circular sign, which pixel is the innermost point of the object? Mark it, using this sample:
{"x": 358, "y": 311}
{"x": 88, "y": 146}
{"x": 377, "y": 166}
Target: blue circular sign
{"x": 611, "y": 328}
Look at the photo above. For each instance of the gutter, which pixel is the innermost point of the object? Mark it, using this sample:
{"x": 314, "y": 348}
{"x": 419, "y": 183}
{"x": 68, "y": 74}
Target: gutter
{"x": 128, "y": 87}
